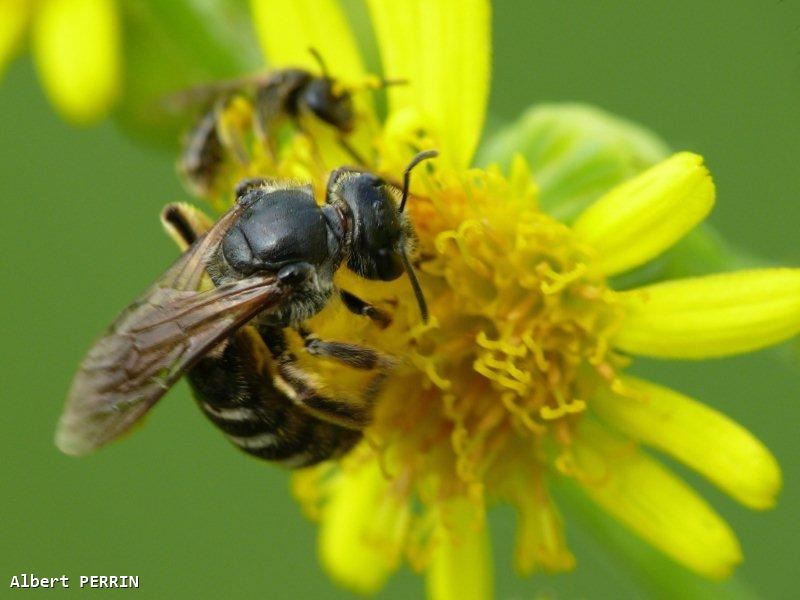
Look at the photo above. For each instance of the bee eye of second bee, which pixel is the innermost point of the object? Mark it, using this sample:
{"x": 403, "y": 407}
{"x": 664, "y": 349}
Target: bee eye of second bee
{"x": 328, "y": 104}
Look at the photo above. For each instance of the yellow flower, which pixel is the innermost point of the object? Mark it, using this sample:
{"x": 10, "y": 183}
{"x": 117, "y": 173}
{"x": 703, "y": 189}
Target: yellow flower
{"x": 75, "y": 44}
{"x": 520, "y": 376}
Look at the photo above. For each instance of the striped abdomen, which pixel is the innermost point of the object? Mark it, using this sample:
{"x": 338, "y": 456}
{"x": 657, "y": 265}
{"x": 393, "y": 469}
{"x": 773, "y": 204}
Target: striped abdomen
{"x": 244, "y": 403}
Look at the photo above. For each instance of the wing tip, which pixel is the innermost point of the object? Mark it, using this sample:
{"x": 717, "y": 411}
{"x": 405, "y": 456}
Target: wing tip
{"x": 70, "y": 442}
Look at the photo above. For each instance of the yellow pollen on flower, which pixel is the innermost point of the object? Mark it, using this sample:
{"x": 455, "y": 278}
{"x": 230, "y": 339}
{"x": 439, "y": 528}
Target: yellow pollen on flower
{"x": 519, "y": 331}
{"x": 515, "y": 310}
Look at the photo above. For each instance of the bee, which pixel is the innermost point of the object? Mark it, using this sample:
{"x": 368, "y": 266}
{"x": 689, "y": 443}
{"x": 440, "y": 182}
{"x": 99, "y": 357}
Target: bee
{"x": 274, "y": 97}
{"x": 271, "y": 259}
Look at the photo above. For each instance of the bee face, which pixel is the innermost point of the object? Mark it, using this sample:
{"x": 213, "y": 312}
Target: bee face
{"x": 331, "y": 105}
{"x": 379, "y": 231}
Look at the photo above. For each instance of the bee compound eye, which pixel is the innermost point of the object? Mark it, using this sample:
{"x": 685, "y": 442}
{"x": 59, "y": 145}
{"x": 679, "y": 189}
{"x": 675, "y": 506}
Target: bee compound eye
{"x": 388, "y": 264}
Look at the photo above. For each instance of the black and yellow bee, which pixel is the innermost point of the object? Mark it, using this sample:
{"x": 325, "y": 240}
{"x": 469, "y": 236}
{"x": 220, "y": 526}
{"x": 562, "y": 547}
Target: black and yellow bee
{"x": 271, "y": 258}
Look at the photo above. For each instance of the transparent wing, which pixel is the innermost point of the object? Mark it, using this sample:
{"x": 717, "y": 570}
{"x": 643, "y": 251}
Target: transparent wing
{"x": 153, "y": 342}
{"x": 205, "y": 95}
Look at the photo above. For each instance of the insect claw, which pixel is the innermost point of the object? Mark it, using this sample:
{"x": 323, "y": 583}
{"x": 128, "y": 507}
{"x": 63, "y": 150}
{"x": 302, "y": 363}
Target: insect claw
{"x": 294, "y": 274}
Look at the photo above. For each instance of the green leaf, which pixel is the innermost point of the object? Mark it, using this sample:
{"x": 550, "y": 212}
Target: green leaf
{"x": 170, "y": 46}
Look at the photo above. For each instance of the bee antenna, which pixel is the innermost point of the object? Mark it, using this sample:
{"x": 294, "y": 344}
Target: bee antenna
{"x": 407, "y": 173}
{"x": 379, "y": 83}
{"x": 384, "y": 83}
{"x": 318, "y": 57}
{"x": 423, "y": 306}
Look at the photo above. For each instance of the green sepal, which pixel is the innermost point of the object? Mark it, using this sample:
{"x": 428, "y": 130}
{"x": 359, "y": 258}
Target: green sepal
{"x": 578, "y": 152}
{"x": 660, "y": 576}
{"x": 170, "y": 46}
{"x": 702, "y": 252}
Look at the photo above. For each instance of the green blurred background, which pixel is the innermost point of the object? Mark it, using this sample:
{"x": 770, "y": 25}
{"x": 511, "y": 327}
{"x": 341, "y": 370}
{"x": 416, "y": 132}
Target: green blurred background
{"x": 177, "y": 506}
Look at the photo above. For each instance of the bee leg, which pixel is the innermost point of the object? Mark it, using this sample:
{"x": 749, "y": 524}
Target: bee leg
{"x": 268, "y": 104}
{"x": 354, "y": 154}
{"x": 352, "y": 355}
{"x": 229, "y": 134}
{"x": 301, "y": 388}
{"x": 267, "y": 140}
{"x": 314, "y": 147}
{"x": 184, "y": 223}
{"x": 238, "y": 393}
{"x": 363, "y": 308}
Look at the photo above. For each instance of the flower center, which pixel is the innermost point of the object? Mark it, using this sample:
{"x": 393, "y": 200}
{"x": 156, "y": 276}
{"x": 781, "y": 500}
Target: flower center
{"x": 520, "y": 320}
{"x": 519, "y": 328}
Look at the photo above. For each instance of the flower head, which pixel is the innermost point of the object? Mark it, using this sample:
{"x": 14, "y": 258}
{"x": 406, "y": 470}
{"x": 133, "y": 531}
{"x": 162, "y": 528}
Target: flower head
{"x": 76, "y": 47}
{"x": 519, "y": 376}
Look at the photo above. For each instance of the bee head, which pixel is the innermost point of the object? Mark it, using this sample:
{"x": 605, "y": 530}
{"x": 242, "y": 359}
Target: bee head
{"x": 328, "y": 99}
{"x": 380, "y": 232}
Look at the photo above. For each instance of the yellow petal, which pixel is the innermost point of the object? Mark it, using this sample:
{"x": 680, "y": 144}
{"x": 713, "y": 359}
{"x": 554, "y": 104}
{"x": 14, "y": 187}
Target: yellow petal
{"x": 641, "y": 218}
{"x": 12, "y": 27}
{"x": 442, "y": 49}
{"x": 461, "y": 565}
{"x": 288, "y": 28}
{"x": 654, "y": 503}
{"x": 716, "y": 315}
{"x": 706, "y": 440}
{"x": 363, "y": 528}
{"x": 76, "y": 47}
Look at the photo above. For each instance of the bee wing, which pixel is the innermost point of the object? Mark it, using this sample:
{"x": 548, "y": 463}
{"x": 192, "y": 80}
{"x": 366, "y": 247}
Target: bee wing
{"x": 204, "y": 95}
{"x": 153, "y": 342}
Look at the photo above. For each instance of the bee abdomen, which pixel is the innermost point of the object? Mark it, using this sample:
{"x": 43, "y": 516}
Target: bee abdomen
{"x": 301, "y": 447}
{"x": 241, "y": 421}
{"x": 257, "y": 417}
{"x": 203, "y": 153}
